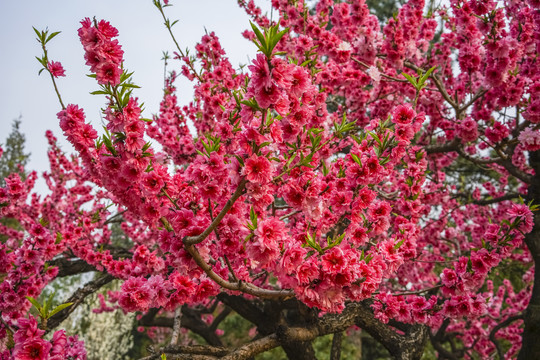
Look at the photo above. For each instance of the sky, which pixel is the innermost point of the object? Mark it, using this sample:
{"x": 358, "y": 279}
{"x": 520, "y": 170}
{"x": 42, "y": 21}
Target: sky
{"x": 143, "y": 38}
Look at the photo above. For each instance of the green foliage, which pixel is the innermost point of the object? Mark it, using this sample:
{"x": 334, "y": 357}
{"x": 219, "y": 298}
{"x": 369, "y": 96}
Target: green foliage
{"x": 14, "y": 155}
{"x": 13, "y": 160}
{"x": 384, "y": 9}
{"x": 419, "y": 82}
{"x": 268, "y": 38}
{"x": 45, "y": 311}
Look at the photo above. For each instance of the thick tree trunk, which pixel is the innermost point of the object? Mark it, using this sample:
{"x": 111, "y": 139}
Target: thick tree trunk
{"x": 530, "y": 348}
{"x": 409, "y": 346}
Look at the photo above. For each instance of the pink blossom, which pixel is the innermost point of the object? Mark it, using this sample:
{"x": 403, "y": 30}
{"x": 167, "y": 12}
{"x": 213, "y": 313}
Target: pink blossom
{"x": 403, "y": 114}
{"x": 32, "y": 349}
{"x": 108, "y": 73}
{"x": 258, "y": 169}
{"x": 261, "y": 77}
{"x": 56, "y": 69}
{"x": 333, "y": 261}
{"x": 522, "y": 213}
{"x": 530, "y": 138}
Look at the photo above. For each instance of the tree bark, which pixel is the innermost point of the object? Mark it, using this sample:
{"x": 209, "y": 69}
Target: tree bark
{"x": 530, "y": 347}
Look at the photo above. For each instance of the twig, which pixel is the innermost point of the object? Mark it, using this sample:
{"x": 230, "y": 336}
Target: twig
{"x": 230, "y": 268}
{"x": 289, "y": 215}
{"x": 111, "y": 219}
{"x": 168, "y": 26}
{"x": 508, "y": 196}
{"x": 382, "y": 74}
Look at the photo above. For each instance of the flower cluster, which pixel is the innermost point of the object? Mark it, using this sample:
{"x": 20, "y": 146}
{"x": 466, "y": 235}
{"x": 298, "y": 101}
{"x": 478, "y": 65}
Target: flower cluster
{"x": 29, "y": 344}
{"x": 320, "y": 173}
{"x": 103, "y": 54}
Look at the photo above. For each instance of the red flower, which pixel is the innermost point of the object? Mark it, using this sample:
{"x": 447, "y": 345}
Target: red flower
{"x": 258, "y": 169}
{"x": 56, "y": 69}
{"x": 108, "y": 73}
{"x": 32, "y": 349}
{"x": 403, "y": 114}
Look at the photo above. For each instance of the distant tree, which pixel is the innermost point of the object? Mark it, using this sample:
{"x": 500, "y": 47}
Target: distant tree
{"x": 384, "y": 9}
{"x": 14, "y": 155}
{"x": 13, "y": 160}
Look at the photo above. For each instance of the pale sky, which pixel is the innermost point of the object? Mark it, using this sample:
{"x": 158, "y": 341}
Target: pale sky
{"x": 143, "y": 38}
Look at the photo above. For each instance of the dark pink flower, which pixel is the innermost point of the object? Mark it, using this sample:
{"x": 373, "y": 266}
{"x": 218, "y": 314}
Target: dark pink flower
{"x": 261, "y": 77}
{"x": 14, "y": 184}
{"x": 108, "y": 73}
{"x": 32, "y": 349}
{"x": 449, "y": 277}
{"x": 524, "y": 214}
{"x": 258, "y": 169}
{"x": 56, "y": 69}
{"x": 403, "y": 114}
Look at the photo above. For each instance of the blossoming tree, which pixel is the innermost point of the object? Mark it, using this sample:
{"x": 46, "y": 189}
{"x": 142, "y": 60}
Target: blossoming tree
{"x": 357, "y": 174}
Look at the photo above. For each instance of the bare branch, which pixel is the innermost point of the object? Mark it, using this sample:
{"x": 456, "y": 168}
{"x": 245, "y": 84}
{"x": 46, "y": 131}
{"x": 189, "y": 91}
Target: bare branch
{"x": 442, "y": 148}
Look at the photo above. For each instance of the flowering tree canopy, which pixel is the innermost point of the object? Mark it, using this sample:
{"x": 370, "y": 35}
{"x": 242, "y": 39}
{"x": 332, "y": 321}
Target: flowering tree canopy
{"x": 361, "y": 174}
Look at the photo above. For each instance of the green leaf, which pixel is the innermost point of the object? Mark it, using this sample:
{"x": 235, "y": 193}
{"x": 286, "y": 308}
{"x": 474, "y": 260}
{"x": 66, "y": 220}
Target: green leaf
{"x": 99, "y": 92}
{"x": 128, "y": 85}
{"x": 47, "y": 305}
{"x": 35, "y": 303}
{"x": 356, "y": 159}
{"x": 240, "y": 160}
{"x": 59, "y": 308}
{"x": 424, "y": 77}
{"x": 253, "y": 217}
{"x": 201, "y": 153}
{"x": 42, "y": 61}
{"x": 398, "y": 245}
{"x": 146, "y": 146}
{"x": 259, "y": 36}
{"x": 411, "y": 79}
{"x": 325, "y": 169}
{"x": 52, "y": 36}
{"x": 39, "y": 34}
{"x": 249, "y": 236}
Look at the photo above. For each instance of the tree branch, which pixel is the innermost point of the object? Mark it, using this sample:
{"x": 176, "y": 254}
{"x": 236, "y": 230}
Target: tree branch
{"x": 239, "y": 285}
{"x": 68, "y": 267}
{"x": 499, "y": 326}
{"x": 192, "y": 240}
{"x": 77, "y": 299}
{"x": 496, "y": 200}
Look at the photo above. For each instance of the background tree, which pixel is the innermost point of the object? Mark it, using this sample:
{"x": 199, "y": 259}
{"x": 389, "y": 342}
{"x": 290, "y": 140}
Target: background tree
{"x": 14, "y": 157}
{"x": 13, "y": 160}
